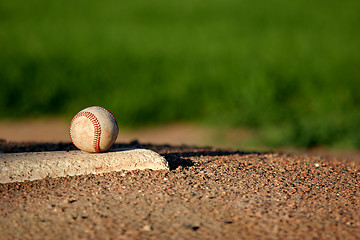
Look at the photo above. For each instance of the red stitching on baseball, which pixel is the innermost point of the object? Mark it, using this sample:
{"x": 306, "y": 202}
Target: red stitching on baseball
{"x": 97, "y": 128}
{"x": 112, "y": 116}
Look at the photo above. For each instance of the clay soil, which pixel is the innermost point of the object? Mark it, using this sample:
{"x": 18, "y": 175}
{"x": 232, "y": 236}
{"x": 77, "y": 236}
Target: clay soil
{"x": 207, "y": 194}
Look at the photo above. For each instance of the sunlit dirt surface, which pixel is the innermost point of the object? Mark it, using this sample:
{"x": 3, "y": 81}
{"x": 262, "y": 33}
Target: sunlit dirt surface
{"x": 207, "y": 194}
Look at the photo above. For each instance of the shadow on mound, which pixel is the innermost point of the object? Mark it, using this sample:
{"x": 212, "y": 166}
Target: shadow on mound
{"x": 181, "y": 158}
{"x": 176, "y": 161}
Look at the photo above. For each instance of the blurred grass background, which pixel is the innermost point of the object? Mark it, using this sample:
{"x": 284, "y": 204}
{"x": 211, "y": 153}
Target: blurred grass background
{"x": 287, "y": 69}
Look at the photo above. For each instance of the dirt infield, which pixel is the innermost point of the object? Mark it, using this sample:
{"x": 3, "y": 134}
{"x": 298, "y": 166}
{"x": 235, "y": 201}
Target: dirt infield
{"x": 207, "y": 194}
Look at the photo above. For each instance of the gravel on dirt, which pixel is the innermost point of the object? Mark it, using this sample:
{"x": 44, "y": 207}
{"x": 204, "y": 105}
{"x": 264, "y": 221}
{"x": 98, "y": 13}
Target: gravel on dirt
{"x": 207, "y": 194}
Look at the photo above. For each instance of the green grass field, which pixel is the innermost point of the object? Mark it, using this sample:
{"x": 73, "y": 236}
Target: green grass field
{"x": 290, "y": 69}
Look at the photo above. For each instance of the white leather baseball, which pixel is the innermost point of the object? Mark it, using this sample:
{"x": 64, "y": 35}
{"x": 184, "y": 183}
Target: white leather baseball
{"x": 94, "y": 129}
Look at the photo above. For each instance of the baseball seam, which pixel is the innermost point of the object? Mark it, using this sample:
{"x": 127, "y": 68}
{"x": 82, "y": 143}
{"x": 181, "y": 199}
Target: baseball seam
{"x": 97, "y": 128}
{"x": 112, "y": 116}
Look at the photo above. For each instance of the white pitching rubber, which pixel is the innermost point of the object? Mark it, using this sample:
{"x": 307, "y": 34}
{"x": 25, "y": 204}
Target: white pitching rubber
{"x": 19, "y": 167}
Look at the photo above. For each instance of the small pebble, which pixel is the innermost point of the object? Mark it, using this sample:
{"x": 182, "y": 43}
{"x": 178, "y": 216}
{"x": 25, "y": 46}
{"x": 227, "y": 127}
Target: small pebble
{"x": 147, "y": 228}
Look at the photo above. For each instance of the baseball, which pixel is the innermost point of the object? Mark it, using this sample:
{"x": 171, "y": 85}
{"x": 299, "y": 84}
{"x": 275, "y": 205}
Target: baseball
{"x": 93, "y": 129}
